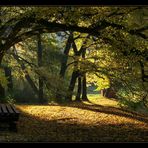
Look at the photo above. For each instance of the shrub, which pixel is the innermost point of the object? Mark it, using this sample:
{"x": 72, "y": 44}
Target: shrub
{"x": 8, "y": 99}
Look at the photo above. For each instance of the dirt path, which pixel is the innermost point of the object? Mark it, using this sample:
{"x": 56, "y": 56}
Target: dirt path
{"x": 78, "y": 122}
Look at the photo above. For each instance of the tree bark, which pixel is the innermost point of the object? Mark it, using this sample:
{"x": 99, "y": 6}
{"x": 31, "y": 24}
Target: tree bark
{"x": 84, "y": 87}
{"x": 75, "y": 75}
{"x": 72, "y": 86}
{"x": 78, "y": 96}
{"x": 107, "y": 91}
{"x": 64, "y": 63}
{"x": 102, "y": 92}
{"x": 41, "y": 84}
{"x": 144, "y": 77}
{"x": 66, "y": 52}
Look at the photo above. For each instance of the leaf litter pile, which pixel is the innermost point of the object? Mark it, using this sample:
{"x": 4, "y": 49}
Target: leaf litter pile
{"x": 78, "y": 122}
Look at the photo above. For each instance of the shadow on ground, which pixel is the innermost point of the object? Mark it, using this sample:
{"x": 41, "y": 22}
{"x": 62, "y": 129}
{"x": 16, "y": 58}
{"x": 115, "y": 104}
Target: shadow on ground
{"x": 110, "y": 110}
{"x": 33, "y": 129}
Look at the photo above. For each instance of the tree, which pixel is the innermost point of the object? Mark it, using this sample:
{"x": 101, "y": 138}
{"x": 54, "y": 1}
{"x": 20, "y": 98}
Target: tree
{"x": 108, "y": 27}
{"x": 27, "y": 76}
{"x": 41, "y": 83}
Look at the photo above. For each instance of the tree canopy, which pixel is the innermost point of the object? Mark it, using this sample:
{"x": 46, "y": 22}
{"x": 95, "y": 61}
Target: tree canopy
{"x": 64, "y": 46}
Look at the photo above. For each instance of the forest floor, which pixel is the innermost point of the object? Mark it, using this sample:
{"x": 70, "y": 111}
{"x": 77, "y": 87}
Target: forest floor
{"x": 100, "y": 120}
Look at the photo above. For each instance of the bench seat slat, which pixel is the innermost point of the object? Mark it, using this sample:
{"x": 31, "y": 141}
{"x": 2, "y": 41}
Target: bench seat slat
{"x": 10, "y": 109}
{"x": 4, "y": 109}
{"x": 16, "y": 111}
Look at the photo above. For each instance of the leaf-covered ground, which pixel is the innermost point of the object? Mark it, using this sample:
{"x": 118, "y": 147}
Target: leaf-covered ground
{"x": 99, "y": 121}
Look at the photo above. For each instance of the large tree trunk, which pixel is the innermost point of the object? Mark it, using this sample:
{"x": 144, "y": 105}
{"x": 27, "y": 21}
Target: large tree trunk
{"x": 75, "y": 75}
{"x": 64, "y": 63}
{"x": 72, "y": 86}
{"x": 76, "y": 71}
{"x": 41, "y": 84}
{"x": 78, "y": 95}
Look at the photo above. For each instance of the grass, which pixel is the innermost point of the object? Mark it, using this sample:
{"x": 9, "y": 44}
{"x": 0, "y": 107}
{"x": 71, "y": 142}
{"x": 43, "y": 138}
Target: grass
{"x": 98, "y": 99}
{"x": 100, "y": 120}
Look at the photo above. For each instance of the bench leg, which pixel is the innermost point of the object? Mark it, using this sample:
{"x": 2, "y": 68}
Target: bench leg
{"x": 12, "y": 127}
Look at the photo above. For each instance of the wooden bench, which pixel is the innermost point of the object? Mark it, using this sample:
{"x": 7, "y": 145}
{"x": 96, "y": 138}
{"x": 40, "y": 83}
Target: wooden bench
{"x": 10, "y": 115}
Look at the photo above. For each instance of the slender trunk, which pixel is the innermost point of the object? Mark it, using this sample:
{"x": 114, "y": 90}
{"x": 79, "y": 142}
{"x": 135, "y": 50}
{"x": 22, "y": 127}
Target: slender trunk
{"x": 41, "y": 84}
{"x": 63, "y": 67}
{"x": 110, "y": 92}
{"x": 64, "y": 63}
{"x": 107, "y": 91}
{"x": 76, "y": 71}
{"x": 84, "y": 87}
{"x": 144, "y": 77}
{"x": 66, "y": 52}
{"x": 8, "y": 74}
{"x": 27, "y": 76}
{"x": 74, "y": 75}
{"x": 41, "y": 93}
{"x": 78, "y": 96}
{"x": 72, "y": 86}
{"x": 2, "y": 90}
{"x": 142, "y": 70}
{"x": 1, "y": 56}
{"x": 72, "y": 82}
{"x": 102, "y": 92}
